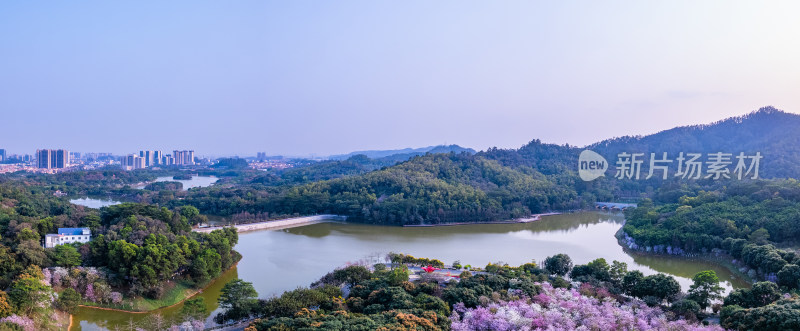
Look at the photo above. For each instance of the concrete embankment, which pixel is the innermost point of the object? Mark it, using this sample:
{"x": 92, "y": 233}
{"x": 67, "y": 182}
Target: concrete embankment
{"x": 279, "y": 224}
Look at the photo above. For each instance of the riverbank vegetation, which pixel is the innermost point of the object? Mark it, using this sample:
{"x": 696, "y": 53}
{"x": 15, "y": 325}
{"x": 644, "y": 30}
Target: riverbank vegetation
{"x": 747, "y": 221}
{"x": 392, "y": 296}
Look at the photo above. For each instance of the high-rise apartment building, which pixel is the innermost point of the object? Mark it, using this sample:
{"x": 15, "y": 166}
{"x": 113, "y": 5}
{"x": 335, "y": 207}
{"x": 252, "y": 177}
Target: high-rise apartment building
{"x": 132, "y": 161}
{"x": 157, "y": 157}
{"x": 61, "y": 159}
{"x": 43, "y": 159}
{"x": 183, "y": 157}
{"x": 139, "y": 163}
{"x": 178, "y": 155}
{"x": 2, "y": 154}
{"x": 147, "y": 156}
{"x": 52, "y": 158}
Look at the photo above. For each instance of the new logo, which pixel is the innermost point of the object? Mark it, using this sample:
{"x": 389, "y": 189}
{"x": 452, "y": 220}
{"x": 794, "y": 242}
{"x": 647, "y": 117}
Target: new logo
{"x": 591, "y": 165}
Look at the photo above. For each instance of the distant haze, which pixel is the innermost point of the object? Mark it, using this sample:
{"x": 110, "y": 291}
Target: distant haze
{"x": 330, "y": 77}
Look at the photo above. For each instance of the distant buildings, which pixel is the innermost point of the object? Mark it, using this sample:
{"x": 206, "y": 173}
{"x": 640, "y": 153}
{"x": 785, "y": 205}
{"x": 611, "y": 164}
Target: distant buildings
{"x": 183, "y": 157}
{"x": 261, "y": 156}
{"x": 131, "y": 161}
{"x": 147, "y": 159}
{"x": 52, "y": 158}
{"x": 67, "y": 236}
{"x": 147, "y": 156}
{"x": 2, "y": 154}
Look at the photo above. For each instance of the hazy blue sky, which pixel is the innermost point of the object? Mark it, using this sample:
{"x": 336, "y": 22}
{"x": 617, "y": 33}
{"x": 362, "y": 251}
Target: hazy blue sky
{"x": 327, "y": 77}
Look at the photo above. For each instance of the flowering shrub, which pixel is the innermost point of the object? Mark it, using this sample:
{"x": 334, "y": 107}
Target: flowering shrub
{"x": 89, "y": 294}
{"x": 88, "y": 281}
{"x": 116, "y": 297}
{"x": 562, "y": 309}
{"x": 25, "y": 323}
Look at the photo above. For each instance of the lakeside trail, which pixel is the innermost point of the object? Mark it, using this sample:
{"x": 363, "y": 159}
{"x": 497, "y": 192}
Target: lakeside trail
{"x": 285, "y": 223}
{"x": 532, "y": 218}
{"x": 293, "y": 222}
{"x": 192, "y": 294}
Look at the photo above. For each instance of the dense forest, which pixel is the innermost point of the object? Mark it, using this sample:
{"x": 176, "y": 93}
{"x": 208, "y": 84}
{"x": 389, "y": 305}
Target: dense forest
{"x": 430, "y": 189}
{"x": 747, "y": 221}
{"x": 136, "y": 251}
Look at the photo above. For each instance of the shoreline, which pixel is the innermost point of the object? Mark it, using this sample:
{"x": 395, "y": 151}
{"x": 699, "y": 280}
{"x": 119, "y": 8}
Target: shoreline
{"x": 708, "y": 257}
{"x": 532, "y": 218}
{"x": 193, "y": 293}
{"x": 277, "y": 224}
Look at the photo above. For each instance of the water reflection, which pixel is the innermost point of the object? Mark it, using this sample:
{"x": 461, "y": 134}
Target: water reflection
{"x": 94, "y": 203}
{"x": 196, "y": 181}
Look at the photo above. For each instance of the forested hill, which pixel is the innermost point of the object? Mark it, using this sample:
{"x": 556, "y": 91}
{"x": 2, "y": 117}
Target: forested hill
{"x": 355, "y": 163}
{"x": 499, "y": 184}
{"x": 428, "y": 189}
{"x": 773, "y": 133}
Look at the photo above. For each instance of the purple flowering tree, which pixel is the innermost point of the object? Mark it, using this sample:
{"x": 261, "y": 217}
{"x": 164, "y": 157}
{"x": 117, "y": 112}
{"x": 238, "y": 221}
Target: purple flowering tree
{"x": 562, "y": 309}
{"x": 89, "y": 294}
{"x": 25, "y": 323}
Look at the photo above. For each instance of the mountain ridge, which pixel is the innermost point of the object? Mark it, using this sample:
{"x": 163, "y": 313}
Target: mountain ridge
{"x": 376, "y": 154}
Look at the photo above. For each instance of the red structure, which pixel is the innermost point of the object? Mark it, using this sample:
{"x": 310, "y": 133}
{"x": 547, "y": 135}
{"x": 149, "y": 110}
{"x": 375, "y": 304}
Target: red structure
{"x": 429, "y": 269}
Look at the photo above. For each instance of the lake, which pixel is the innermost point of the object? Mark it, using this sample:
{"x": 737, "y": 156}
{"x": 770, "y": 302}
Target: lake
{"x": 276, "y": 261}
{"x": 94, "y": 203}
{"x": 196, "y": 181}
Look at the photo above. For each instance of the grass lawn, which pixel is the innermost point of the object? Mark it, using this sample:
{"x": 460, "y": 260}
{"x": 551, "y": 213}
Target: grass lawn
{"x": 176, "y": 292}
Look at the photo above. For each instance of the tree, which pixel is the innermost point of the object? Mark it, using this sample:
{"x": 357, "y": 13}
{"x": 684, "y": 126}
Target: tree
{"x": 630, "y": 283}
{"x": 29, "y": 294}
{"x": 194, "y": 308}
{"x": 559, "y": 264}
{"x": 67, "y": 256}
{"x": 398, "y": 275}
{"x": 705, "y": 288}
{"x": 5, "y": 307}
{"x": 597, "y": 269}
{"x": 782, "y": 315}
{"x": 237, "y": 298}
{"x": 759, "y": 237}
{"x": 68, "y": 300}
{"x": 688, "y": 309}
{"x": 32, "y": 253}
{"x": 658, "y": 286}
{"x": 761, "y": 294}
{"x": 351, "y": 274}
{"x": 789, "y": 276}
{"x": 618, "y": 271}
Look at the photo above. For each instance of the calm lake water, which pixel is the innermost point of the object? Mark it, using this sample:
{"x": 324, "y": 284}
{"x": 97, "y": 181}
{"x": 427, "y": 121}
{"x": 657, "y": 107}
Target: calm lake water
{"x": 196, "y": 181}
{"x": 94, "y": 203}
{"x": 276, "y": 261}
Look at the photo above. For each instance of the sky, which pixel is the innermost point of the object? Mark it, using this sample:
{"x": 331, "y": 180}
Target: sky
{"x": 313, "y": 78}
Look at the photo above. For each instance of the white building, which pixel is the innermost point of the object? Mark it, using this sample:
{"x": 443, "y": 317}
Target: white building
{"x": 67, "y": 236}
